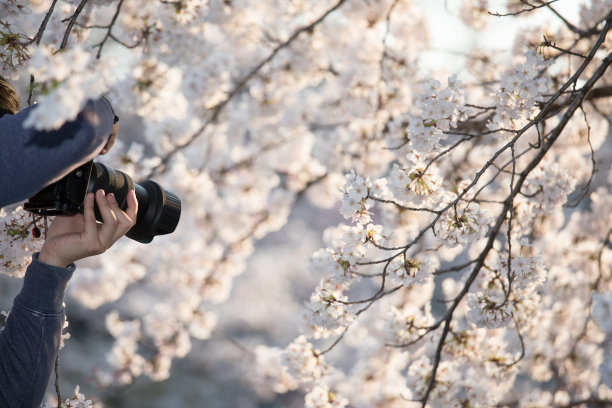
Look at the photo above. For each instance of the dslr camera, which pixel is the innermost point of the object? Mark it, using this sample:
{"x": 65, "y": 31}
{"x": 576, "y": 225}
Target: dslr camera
{"x": 159, "y": 210}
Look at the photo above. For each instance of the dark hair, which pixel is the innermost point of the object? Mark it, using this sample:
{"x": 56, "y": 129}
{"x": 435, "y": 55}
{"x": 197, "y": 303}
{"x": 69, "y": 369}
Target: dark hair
{"x": 9, "y": 99}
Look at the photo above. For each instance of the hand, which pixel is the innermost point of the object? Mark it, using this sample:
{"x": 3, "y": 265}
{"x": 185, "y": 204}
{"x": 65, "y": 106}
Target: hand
{"x": 111, "y": 139}
{"x": 78, "y": 236}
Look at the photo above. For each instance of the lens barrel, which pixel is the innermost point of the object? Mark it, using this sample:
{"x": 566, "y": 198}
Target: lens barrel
{"x": 159, "y": 210}
{"x": 160, "y": 214}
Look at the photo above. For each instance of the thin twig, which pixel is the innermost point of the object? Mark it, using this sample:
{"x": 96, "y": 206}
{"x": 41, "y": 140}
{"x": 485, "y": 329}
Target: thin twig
{"x": 587, "y": 187}
{"x": 37, "y": 39}
{"x": 57, "y": 387}
{"x": 109, "y": 34}
{"x": 71, "y": 23}
{"x": 238, "y": 87}
{"x": 530, "y": 8}
{"x": 43, "y": 25}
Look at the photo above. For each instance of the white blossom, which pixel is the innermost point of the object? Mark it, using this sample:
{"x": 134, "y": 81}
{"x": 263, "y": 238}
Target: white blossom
{"x": 409, "y": 272}
{"x": 474, "y": 13}
{"x": 321, "y": 397}
{"x": 243, "y": 108}
{"x": 548, "y": 186}
{"x": 328, "y": 309}
{"x": 462, "y": 227}
{"x": 326, "y": 264}
{"x": 77, "y": 401}
{"x": 12, "y": 8}
{"x": 353, "y": 241}
{"x": 407, "y": 324}
{"x": 520, "y": 89}
{"x": 303, "y": 361}
{"x": 415, "y": 185}
{"x": 71, "y": 82}
{"x": 527, "y": 274}
{"x": 488, "y": 310}
{"x": 271, "y": 371}
{"x": 17, "y": 243}
{"x": 355, "y": 204}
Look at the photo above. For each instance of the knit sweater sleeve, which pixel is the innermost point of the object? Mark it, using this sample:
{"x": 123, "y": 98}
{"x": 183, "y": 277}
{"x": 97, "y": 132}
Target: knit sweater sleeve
{"x": 31, "y": 159}
{"x": 30, "y": 340}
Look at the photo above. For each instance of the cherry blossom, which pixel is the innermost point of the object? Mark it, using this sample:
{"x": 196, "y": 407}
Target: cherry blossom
{"x": 433, "y": 236}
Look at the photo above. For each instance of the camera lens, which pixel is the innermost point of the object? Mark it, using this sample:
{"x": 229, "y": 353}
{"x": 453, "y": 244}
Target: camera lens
{"x": 159, "y": 210}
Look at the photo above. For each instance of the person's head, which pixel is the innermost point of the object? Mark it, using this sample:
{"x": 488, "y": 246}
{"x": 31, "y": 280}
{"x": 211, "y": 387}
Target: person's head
{"x": 9, "y": 99}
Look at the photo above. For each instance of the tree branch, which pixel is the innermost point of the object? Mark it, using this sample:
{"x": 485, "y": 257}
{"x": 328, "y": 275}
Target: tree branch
{"x": 71, "y": 23}
{"x": 109, "y": 33}
{"x": 238, "y": 87}
{"x": 577, "y": 101}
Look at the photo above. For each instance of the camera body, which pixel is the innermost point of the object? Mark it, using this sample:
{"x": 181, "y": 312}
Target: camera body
{"x": 64, "y": 197}
{"x": 159, "y": 210}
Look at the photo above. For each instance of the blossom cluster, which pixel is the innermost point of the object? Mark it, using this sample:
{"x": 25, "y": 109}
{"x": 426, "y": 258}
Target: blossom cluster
{"x": 13, "y": 52}
{"x": 271, "y": 371}
{"x": 17, "y": 243}
{"x": 68, "y": 81}
{"x": 548, "y": 186}
{"x": 328, "y": 309}
{"x": 408, "y": 272}
{"x": 356, "y": 202}
{"x": 11, "y": 9}
{"x": 462, "y": 226}
{"x": 416, "y": 185}
{"x": 521, "y": 88}
{"x": 474, "y": 13}
{"x": 490, "y": 310}
{"x": 322, "y": 397}
{"x": 407, "y": 324}
{"x": 499, "y": 301}
{"x": 257, "y": 113}
{"x": 525, "y": 274}
{"x": 303, "y": 361}
{"x": 440, "y": 110}
{"x": 77, "y": 401}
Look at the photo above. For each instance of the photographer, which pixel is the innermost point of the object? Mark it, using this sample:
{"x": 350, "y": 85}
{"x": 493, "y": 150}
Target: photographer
{"x": 30, "y": 160}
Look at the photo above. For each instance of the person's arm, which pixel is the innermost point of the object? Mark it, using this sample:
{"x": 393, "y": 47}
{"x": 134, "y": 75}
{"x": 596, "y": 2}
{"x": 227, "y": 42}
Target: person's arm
{"x": 31, "y": 159}
{"x": 30, "y": 340}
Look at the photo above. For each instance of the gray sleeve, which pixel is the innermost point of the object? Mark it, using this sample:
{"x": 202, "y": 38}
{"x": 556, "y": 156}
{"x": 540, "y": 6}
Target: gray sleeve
{"x": 31, "y": 159}
{"x": 30, "y": 340}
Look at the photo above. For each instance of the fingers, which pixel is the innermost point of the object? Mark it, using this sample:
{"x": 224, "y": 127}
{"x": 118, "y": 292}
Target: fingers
{"x": 91, "y": 228}
{"x": 132, "y": 210}
{"x": 79, "y": 236}
{"x": 126, "y": 219}
{"x": 111, "y": 139}
{"x": 108, "y": 208}
{"x": 116, "y": 222}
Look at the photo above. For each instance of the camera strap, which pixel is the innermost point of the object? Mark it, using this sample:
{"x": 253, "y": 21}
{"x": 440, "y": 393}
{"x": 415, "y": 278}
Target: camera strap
{"x": 35, "y": 230}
